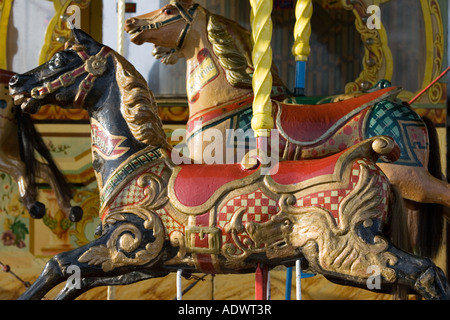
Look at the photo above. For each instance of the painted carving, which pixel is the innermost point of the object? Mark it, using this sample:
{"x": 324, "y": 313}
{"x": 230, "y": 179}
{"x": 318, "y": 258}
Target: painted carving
{"x": 158, "y": 217}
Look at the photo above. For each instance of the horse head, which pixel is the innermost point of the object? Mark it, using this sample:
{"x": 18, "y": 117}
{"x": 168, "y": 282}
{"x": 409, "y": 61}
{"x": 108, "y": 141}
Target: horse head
{"x": 166, "y": 27}
{"x": 65, "y": 80}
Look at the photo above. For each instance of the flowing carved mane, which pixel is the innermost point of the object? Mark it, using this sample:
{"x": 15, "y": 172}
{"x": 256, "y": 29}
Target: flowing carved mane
{"x": 138, "y": 106}
{"x": 230, "y": 58}
{"x": 233, "y": 46}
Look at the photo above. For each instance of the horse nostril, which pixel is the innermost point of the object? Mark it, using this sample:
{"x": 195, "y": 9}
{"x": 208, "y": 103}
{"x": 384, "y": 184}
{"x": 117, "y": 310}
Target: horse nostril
{"x": 14, "y": 80}
{"x": 129, "y": 21}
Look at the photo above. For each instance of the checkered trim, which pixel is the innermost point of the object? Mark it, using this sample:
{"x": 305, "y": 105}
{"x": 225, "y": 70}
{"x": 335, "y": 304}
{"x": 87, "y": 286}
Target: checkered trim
{"x": 133, "y": 193}
{"x": 260, "y": 208}
{"x": 331, "y": 199}
{"x": 169, "y": 223}
{"x": 402, "y": 124}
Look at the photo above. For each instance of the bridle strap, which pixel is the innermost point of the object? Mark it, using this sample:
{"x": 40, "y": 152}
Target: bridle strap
{"x": 95, "y": 66}
{"x": 188, "y": 16}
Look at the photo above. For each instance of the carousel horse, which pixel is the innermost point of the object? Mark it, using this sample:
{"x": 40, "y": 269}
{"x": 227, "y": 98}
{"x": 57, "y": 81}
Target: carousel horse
{"x": 19, "y": 141}
{"x": 159, "y": 217}
{"x": 220, "y": 98}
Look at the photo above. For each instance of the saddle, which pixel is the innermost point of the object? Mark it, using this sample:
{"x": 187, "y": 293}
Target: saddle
{"x": 309, "y": 124}
{"x": 196, "y": 188}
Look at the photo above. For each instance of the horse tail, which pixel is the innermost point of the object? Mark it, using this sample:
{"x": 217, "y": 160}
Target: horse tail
{"x": 399, "y": 234}
{"x": 430, "y": 232}
{"x": 31, "y": 141}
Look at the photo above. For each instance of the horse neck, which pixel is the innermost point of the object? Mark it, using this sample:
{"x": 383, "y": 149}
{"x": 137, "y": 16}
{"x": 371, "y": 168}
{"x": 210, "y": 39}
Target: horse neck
{"x": 206, "y": 82}
{"x": 112, "y": 141}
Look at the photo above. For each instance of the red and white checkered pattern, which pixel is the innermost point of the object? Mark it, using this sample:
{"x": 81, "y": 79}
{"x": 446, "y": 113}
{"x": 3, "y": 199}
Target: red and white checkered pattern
{"x": 169, "y": 223}
{"x": 260, "y": 207}
{"x": 331, "y": 199}
{"x": 133, "y": 193}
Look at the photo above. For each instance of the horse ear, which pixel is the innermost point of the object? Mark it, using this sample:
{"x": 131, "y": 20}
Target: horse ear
{"x": 85, "y": 40}
{"x": 185, "y": 3}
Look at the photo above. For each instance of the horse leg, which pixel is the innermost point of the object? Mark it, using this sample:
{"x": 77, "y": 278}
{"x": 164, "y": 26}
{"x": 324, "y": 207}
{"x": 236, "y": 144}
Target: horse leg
{"x": 393, "y": 267}
{"x": 16, "y": 168}
{"x": 417, "y": 184}
{"x": 127, "y": 245}
{"x": 63, "y": 197}
{"x": 421, "y": 275}
{"x": 57, "y": 270}
{"x": 86, "y": 284}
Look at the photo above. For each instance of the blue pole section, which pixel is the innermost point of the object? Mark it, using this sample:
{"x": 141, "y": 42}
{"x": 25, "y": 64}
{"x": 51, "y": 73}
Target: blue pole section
{"x": 300, "y": 75}
{"x": 287, "y": 294}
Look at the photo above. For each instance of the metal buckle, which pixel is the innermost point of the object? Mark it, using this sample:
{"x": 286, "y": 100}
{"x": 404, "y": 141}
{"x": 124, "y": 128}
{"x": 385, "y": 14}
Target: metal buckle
{"x": 66, "y": 79}
{"x": 36, "y": 94}
{"x": 213, "y": 235}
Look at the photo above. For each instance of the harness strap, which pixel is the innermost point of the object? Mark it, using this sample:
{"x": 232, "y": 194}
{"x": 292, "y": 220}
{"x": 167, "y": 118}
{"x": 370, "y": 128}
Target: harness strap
{"x": 95, "y": 66}
{"x": 188, "y": 16}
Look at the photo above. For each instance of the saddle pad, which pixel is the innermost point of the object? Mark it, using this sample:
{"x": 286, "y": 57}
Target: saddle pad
{"x": 309, "y": 124}
{"x": 292, "y": 172}
{"x": 196, "y": 183}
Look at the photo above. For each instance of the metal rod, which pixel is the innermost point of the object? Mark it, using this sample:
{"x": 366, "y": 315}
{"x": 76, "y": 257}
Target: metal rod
{"x": 429, "y": 86}
{"x": 179, "y": 289}
{"x": 6, "y": 268}
{"x": 298, "y": 277}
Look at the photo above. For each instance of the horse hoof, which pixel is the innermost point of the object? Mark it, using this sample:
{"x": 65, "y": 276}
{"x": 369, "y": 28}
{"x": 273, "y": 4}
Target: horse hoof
{"x": 37, "y": 210}
{"x": 76, "y": 213}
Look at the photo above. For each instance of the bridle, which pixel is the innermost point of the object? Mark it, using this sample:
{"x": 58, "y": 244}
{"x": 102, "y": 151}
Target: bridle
{"x": 94, "y": 66}
{"x": 186, "y": 15}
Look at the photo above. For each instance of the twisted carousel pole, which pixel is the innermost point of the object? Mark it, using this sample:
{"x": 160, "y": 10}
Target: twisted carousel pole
{"x": 262, "y": 121}
{"x": 301, "y": 48}
{"x": 301, "y": 51}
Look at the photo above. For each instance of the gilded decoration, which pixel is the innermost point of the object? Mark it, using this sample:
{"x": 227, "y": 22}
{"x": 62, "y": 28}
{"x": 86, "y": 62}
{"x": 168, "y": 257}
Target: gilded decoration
{"x": 378, "y": 61}
{"x": 5, "y": 10}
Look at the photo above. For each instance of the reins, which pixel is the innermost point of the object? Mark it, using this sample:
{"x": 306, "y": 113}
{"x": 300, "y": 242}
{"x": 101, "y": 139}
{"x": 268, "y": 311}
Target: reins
{"x": 95, "y": 66}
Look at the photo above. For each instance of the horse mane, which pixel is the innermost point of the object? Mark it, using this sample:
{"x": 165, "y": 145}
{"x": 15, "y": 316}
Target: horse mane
{"x": 230, "y": 58}
{"x": 233, "y": 46}
{"x": 138, "y": 106}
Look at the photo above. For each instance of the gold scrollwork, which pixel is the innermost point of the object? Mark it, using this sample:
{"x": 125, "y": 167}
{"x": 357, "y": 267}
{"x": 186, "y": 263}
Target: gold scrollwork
{"x": 377, "y": 56}
{"x": 339, "y": 248}
{"x": 127, "y": 238}
{"x": 123, "y": 247}
{"x": 378, "y": 61}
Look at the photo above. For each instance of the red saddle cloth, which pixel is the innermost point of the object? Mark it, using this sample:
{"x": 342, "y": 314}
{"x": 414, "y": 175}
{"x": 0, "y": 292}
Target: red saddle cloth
{"x": 196, "y": 183}
{"x": 307, "y": 123}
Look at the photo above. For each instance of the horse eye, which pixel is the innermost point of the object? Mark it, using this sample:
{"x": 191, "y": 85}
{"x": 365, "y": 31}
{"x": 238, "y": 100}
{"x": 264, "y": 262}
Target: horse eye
{"x": 57, "y": 61}
{"x": 168, "y": 12}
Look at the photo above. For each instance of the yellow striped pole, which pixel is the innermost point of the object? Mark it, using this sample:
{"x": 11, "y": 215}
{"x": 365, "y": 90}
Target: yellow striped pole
{"x": 262, "y": 121}
{"x": 301, "y": 51}
{"x": 301, "y": 48}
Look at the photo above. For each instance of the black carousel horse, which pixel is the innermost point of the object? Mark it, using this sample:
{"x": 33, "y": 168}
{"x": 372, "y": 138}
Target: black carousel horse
{"x": 159, "y": 217}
